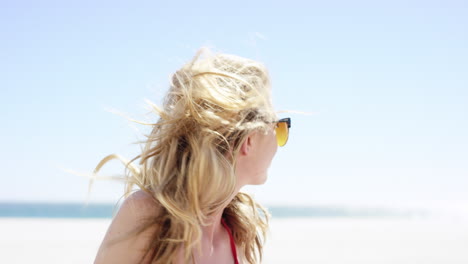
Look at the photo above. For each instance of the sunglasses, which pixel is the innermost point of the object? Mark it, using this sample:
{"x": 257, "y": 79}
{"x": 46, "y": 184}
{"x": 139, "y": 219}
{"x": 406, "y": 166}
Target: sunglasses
{"x": 282, "y": 131}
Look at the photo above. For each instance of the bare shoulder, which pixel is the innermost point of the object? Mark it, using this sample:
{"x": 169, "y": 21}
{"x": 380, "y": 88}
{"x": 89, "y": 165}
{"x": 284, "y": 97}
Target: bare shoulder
{"x": 136, "y": 208}
{"x": 121, "y": 243}
{"x": 140, "y": 204}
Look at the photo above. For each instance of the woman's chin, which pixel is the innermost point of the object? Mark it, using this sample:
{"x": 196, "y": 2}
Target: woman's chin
{"x": 260, "y": 180}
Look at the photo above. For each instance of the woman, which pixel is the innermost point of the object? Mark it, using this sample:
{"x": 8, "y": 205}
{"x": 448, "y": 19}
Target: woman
{"x": 217, "y": 132}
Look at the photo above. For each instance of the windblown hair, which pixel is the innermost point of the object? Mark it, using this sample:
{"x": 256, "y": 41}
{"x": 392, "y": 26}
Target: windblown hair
{"x": 188, "y": 160}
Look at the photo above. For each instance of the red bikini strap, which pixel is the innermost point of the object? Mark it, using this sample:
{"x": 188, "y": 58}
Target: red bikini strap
{"x": 231, "y": 238}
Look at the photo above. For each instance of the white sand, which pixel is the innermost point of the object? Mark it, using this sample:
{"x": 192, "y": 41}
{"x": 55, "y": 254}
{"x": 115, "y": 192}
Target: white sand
{"x": 319, "y": 241}
{"x": 39, "y": 240}
{"x": 376, "y": 241}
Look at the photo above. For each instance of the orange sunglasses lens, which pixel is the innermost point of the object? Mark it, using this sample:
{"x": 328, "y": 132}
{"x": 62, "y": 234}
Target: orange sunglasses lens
{"x": 282, "y": 133}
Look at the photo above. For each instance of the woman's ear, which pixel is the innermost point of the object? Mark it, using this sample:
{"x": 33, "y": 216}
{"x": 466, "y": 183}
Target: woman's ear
{"x": 247, "y": 144}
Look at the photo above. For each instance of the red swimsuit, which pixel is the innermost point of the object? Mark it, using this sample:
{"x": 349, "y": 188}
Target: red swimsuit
{"x": 233, "y": 244}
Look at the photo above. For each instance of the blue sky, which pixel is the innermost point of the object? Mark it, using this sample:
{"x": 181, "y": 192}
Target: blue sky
{"x": 386, "y": 82}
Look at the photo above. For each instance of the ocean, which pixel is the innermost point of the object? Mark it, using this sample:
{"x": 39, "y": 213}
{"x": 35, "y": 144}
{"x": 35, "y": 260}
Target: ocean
{"x": 81, "y": 210}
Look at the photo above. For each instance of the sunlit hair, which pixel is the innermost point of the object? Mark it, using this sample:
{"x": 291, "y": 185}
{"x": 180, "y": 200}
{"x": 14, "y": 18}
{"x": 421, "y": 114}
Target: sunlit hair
{"x": 188, "y": 160}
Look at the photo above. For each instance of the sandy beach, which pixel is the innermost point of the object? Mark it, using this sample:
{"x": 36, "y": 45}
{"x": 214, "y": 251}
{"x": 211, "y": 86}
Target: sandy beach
{"x": 292, "y": 240}
{"x": 366, "y": 241}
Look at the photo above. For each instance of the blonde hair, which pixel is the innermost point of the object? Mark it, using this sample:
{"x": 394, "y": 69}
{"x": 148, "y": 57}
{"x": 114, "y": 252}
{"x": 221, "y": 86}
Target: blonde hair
{"x": 188, "y": 160}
